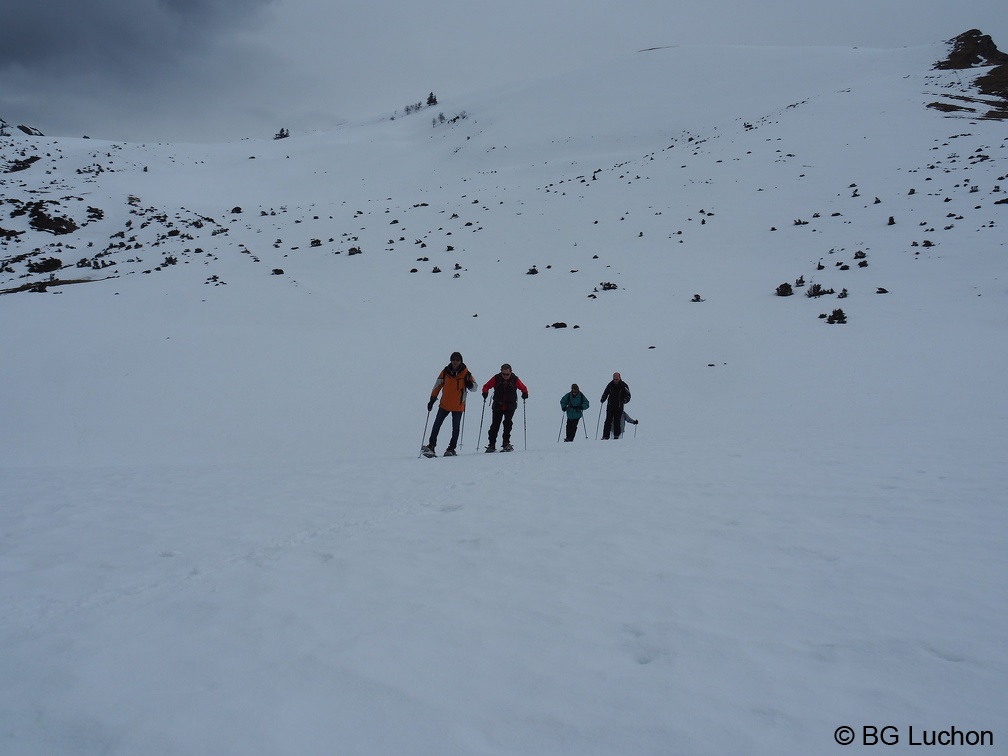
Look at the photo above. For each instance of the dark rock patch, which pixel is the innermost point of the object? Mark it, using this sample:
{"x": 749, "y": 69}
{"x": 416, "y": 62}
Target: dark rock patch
{"x": 22, "y": 165}
{"x": 974, "y": 49}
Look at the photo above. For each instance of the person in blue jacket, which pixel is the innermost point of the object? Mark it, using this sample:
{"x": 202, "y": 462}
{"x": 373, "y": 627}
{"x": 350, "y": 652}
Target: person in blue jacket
{"x": 574, "y": 403}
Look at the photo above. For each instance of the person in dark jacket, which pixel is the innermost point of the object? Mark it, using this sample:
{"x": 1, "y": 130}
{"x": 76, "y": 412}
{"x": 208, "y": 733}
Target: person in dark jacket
{"x": 451, "y": 383}
{"x": 506, "y": 386}
{"x": 616, "y": 394}
{"x": 574, "y": 403}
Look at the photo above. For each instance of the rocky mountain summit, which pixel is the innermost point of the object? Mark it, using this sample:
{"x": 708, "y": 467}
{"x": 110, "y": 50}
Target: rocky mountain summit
{"x": 974, "y": 49}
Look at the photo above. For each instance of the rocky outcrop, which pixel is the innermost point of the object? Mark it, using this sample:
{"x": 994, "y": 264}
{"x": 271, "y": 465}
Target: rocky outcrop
{"x": 974, "y": 49}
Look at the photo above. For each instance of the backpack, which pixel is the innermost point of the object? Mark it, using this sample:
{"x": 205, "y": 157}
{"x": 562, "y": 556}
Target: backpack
{"x": 506, "y": 391}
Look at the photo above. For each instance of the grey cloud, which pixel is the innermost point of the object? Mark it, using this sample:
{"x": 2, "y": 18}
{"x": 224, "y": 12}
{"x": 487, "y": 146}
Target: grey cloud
{"x": 125, "y": 68}
{"x": 115, "y": 37}
{"x": 203, "y": 70}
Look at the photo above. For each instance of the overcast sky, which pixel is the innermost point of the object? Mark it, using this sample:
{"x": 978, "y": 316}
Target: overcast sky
{"x": 223, "y": 70}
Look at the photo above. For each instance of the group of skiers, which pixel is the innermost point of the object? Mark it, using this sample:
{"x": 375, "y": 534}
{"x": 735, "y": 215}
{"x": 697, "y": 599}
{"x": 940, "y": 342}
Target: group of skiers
{"x": 616, "y": 396}
{"x": 455, "y": 379}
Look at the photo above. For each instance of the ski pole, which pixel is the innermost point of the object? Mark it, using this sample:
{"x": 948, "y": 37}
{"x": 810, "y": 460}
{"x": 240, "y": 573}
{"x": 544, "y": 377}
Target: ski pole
{"x": 424, "y": 437}
{"x": 598, "y": 421}
{"x": 481, "y": 423}
{"x": 584, "y": 427}
{"x": 562, "y": 416}
{"x": 524, "y": 426}
{"x": 462, "y": 432}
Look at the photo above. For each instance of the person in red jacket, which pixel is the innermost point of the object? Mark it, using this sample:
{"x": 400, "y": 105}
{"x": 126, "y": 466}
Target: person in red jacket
{"x": 452, "y": 383}
{"x": 506, "y": 386}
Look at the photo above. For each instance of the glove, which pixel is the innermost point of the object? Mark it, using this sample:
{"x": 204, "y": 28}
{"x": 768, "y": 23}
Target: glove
{"x": 430, "y": 404}
{"x": 524, "y": 395}
{"x": 485, "y": 395}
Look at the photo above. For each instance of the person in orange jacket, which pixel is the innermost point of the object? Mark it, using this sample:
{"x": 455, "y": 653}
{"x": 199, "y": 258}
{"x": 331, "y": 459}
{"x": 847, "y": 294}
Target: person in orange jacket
{"x": 452, "y": 383}
{"x": 506, "y": 386}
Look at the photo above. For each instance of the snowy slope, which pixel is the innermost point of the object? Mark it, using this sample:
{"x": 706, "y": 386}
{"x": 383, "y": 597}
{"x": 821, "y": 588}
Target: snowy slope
{"x": 218, "y": 536}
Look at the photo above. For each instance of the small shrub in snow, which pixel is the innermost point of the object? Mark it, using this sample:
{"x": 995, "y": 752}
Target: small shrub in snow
{"x": 45, "y": 265}
{"x": 816, "y": 290}
{"x": 838, "y": 316}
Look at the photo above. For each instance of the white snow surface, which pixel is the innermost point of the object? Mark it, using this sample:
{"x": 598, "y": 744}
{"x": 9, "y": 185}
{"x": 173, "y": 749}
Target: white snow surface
{"x": 217, "y": 535}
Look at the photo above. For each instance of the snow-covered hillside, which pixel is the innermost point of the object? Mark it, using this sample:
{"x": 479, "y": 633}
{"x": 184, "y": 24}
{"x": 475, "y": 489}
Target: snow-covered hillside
{"x": 217, "y": 535}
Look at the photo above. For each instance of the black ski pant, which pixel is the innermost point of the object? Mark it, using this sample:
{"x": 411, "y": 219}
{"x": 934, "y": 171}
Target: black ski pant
{"x": 438, "y": 420}
{"x": 572, "y": 426}
{"x": 612, "y": 424}
{"x": 500, "y": 414}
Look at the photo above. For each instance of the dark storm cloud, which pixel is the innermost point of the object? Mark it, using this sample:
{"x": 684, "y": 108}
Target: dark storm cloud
{"x": 129, "y": 69}
{"x": 119, "y": 38}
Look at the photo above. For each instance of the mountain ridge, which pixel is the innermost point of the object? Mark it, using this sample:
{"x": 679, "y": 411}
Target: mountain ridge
{"x": 63, "y": 217}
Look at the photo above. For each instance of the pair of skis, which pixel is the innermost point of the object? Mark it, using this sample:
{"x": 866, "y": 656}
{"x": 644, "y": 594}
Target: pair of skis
{"x": 426, "y": 451}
